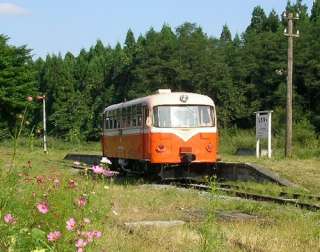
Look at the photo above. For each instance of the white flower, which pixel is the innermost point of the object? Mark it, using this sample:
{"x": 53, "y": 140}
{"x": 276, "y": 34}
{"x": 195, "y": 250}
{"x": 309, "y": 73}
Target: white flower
{"x": 105, "y": 160}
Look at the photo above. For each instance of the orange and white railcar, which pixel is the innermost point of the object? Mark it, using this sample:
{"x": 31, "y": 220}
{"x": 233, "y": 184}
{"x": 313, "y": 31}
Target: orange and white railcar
{"x": 167, "y": 128}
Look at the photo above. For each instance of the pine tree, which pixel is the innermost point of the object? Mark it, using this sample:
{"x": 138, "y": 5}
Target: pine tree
{"x": 225, "y": 34}
{"x": 315, "y": 11}
{"x": 258, "y": 20}
{"x": 273, "y": 22}
{"x": 130, "y": 40}
{"x": 17, "y": 81}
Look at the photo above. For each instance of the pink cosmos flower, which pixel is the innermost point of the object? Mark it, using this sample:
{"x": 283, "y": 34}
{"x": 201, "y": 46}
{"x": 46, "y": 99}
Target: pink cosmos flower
{"x": 54, "y": 236}
{"x": 80, "y": 243}
{"x": 72, "y": 183}
{"x": 91, "y": 235}
{"x": 97, "y": 169}
{"x": 97, "y": 234}
{"x": 109, "y": 173}
{"x": 43, "y": 207}
{"x": 9, "y": 219}
{"x": 82, "y": 201}
{"x": 71, "y": 224}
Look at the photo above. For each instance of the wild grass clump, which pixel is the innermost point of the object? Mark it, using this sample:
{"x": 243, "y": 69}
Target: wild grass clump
{"x": 49, "y": 212}
{"x": 233, "y": 139}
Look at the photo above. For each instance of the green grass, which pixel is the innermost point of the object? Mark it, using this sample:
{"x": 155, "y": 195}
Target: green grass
{"x": 112, "y": 203}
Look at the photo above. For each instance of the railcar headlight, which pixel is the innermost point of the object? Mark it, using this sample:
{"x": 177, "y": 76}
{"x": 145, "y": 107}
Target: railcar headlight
{"x": 209, "y": 147}
{"x": 160, "y": 148}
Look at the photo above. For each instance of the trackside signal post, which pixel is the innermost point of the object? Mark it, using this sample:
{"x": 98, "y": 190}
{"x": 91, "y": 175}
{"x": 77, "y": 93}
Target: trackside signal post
{"x": 263, "y": 130}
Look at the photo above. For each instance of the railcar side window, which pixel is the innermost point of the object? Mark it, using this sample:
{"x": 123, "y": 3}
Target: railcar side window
{"x": 114, "y": 123}
{"x": 118, "y": 117}
{"x": 129, "y": 110}
{"x": 110, "y": 121}
{"x": 106, "y": 126}
{"x": 139, "y": 115}
{"x": 134, "y": 116}
{"x": 146, "y": 114}
{"x": 114, "y": 120}
{"x": 124, "y": 117}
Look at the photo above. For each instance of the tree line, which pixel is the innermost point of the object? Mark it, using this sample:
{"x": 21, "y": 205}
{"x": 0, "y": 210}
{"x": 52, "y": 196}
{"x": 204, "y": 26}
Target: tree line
{"x": 243, "y": 73}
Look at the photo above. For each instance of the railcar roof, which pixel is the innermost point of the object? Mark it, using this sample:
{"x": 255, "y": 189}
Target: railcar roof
{"x": 166, "y": 99}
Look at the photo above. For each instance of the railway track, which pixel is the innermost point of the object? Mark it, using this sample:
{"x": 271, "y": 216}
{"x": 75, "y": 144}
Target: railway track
{"x": 283, "y": 198}
{"x": 236, "y": 191}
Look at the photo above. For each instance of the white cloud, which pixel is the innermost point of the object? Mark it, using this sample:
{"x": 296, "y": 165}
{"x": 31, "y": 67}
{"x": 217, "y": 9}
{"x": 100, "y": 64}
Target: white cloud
{"x": 12, "y": 9}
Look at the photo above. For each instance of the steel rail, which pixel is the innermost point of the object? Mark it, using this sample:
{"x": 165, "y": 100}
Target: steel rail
{"x": 252, "y": 196}
{"x": 236, "y": 191}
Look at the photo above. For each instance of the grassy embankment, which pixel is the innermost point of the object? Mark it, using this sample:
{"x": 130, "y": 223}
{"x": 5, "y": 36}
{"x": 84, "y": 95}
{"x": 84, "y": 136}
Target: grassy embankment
{"x": 111, "y": 203}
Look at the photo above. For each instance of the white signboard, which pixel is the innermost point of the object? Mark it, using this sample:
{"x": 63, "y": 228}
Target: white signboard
{"x": 262, "y": 124}
{"x": 263, "y": 130}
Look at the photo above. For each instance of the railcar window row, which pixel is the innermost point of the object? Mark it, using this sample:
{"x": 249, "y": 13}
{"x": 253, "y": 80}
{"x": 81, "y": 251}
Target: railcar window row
{"x": 127, "y": 117}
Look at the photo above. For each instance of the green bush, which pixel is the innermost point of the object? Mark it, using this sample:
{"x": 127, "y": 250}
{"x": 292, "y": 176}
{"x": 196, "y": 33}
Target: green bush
{"x": 304, "y": 135}
{"x": 233, "y": 138}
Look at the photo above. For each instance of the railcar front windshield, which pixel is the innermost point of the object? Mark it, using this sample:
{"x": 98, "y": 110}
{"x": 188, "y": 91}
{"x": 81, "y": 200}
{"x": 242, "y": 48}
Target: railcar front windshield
{"x": 183, "y": 116}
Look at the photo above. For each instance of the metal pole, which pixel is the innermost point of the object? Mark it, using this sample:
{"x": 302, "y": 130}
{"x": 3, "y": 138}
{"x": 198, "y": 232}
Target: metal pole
{"x": 257, "y": 138}
{"x": 290, "y": 34}
{"x": 258, "y": 148}
{"x": 269, "y": 134}
{"x": 44, "y": 125}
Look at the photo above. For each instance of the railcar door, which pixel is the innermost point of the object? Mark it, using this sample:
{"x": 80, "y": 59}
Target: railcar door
{"x": 145, "y": 132}
{"x": 120, "y": 125}
{"x": 105, "y": 123}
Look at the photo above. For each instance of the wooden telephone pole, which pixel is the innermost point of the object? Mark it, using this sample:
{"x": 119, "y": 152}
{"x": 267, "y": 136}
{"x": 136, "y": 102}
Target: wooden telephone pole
{"x": 290, "y": 34}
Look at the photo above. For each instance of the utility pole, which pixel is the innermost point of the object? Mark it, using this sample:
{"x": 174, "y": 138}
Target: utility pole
{"x": 290, "y": 34}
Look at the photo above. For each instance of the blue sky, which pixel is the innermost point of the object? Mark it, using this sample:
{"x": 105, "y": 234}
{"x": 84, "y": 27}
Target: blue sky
{"x": 53, "y": 26}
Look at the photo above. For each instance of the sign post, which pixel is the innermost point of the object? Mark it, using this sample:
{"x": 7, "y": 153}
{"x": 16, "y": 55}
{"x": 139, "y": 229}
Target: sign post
{"x": 263, "y": 130}
{"x": 43, "y": 99}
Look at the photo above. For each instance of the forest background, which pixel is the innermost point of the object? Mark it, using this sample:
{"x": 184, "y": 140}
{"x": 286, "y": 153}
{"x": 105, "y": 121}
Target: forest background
{"x": 243, "y": 73}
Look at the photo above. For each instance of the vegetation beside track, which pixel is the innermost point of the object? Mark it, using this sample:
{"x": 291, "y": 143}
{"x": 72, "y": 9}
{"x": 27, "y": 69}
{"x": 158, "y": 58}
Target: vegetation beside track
{"x": 303, "y": 169}
{"x": 110, "y": 204}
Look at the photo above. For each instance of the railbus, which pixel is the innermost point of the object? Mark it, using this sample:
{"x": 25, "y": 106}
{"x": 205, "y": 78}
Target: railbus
{"x": 164, "y": 129}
